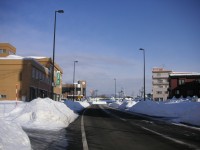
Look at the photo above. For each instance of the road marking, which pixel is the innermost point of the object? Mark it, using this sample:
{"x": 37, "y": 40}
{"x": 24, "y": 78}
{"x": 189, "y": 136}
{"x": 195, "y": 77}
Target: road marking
{"x": 152, "y": 131}
{"x": 84, "y": 140}
{"x": 115, "y": 116}
{"x": 170, "y": 138}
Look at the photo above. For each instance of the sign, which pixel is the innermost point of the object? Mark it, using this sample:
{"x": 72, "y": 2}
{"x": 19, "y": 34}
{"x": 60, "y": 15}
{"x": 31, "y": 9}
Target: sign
{"x": 58, "y": 78}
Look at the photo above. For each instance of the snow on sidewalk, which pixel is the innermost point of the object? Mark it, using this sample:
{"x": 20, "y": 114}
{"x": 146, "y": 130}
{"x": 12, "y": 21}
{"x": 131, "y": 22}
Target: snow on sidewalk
{"x": 38, "y": 114}
{"x": 13, "y": 137}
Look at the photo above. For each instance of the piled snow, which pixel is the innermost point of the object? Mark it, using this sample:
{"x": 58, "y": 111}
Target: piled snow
{"x": 42, "y": 114}
{"x": 115, "y": 104}
{"x": 13, "y": 137}
{"x": 38, "y": 114}
{"x": 184, "y": 111}
{"x": 98, "y": 102}
{"x": 77, "y": 105}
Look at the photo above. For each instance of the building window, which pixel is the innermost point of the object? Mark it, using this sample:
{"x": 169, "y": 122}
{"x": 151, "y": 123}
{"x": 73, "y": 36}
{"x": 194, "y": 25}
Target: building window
{"x": 10, "y": 53}
{"x": 181, "y": 81}
{"x": 160, "y": 81}
{"x": 2, "y": 96}
{"x": 2, "y": 51}
{"x": 33, "y": 73}
{"x": 198, "y": 80}
{"x": 177, "y": 92}
{"x": 158, "y": 74}
{"x": 159, "y": 92}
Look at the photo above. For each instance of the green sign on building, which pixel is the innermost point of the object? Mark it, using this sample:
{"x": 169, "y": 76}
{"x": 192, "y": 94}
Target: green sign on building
{"x": 58, "y": 78}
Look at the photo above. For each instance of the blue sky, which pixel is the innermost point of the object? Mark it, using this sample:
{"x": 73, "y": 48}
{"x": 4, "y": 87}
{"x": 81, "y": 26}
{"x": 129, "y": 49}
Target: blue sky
{"x": 105, "y": 37}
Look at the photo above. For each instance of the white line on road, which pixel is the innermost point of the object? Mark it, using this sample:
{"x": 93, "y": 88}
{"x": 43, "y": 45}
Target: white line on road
{"x": 172, "y": 139}
{"x": 84, "y": 140}
{"x": 152, "y": 131}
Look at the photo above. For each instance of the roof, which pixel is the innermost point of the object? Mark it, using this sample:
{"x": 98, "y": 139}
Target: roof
{"x": 185, "y": 74}
{"x": 37, "y": 59}
{"x": 21, "y": 57}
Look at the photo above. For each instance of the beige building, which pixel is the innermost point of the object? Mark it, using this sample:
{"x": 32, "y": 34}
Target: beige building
{"x": 77, "y": 90}
{"x": 26, "y": 78}
{"x": 7, "y": 49}
{"x": 160, "y": 84}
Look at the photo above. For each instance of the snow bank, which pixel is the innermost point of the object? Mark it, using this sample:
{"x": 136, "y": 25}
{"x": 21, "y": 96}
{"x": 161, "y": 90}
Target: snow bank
{"x": 177, "y": 111}
{"x": 38, "y": 114}
{"x": 115, "y": 104}
{"x": 13, "y": 137}
{"x": 42, "y": 114}
{"x": 77, "y": 105}
{"x": 98, "y": 102}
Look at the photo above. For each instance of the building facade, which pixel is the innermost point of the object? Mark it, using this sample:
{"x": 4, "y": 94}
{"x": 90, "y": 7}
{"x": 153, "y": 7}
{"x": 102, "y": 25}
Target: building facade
{"x": 184, "y": 84}
{"x": 160, "y": 84}
{"x": 76, "y": 91}
{"x": 7, "y": 49}
{"x": 26, "y": 78}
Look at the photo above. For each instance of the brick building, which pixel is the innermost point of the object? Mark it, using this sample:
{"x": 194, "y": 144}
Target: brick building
{"x": 26, "y": 78}
{"x": 184, "y": 84}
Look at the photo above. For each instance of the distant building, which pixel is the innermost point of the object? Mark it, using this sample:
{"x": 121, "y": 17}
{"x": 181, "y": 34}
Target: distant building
{"x": 7, "y": 49}
{"x": 160, "y": 84}
{"x": 26, "y": 78}
{"x": 76, "y": 90}
{"x": 184, "y": 84}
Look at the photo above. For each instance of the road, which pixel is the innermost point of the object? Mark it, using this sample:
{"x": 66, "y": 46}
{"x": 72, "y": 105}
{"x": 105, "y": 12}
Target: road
{"x": 101, "y": 127}
{"x": 47, "y": 140}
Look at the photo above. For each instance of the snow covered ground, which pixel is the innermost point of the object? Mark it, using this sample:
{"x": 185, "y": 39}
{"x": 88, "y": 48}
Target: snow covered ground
{"x": 179, "y": 111}
{"x": 51, "y": 115}
{"x": 37, "y": 114}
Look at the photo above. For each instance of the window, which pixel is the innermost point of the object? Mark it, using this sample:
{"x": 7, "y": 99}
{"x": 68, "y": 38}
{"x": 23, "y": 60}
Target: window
{"x": 198, "y": 80}
{"x": 158, "y": 74}
{"x": 33, "y": 73}
{"x": 160, "y": 81}
{"x": 10, "y": 53}
{"x": 177, "y": 92}
{"x": 2, "y": 96}
{"x": 2, "y": 51}
{"x": 181, "y": 81}
{"x": 159, "y": 92}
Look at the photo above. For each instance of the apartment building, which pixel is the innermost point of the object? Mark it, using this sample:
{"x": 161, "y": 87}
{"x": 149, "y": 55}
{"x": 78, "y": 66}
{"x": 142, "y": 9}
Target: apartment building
{"x": 77, "y": 90}
{"x": 160, "y": 84}
{"x": 184, "y": 84}
{"x": 26, "y": 78}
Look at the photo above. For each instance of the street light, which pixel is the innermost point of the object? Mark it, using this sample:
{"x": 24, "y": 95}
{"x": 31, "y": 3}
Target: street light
{"x": 115, "y": 88}
{"x": 144, "y": 68}
{"x": 74, "y": 79}
{"x": 52, "y": 74}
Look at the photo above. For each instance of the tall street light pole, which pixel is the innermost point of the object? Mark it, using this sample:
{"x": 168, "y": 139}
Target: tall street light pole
{"x": 74, "y": 79}
{"x": 54, "y": 37}
{"x": 115, "y": 88}
{"x": 144, "y": 68}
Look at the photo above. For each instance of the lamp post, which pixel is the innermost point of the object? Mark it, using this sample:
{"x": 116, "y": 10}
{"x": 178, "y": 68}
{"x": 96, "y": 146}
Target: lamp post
{"x": 115, "y": 88}
{"x": 144, "y": 68}
{"x": 74, "y": 79}
{"x": 52, "y": 73}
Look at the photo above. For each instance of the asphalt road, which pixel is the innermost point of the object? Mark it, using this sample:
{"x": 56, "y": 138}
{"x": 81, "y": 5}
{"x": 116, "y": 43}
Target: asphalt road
{"x": 47, "y": 140}
{"x": 103, "y": 128}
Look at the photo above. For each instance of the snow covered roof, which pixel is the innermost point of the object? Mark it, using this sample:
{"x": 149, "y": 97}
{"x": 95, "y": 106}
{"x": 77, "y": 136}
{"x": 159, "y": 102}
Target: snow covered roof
{"x": 184, "y": 74}
{"x": 21, "y": 57}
